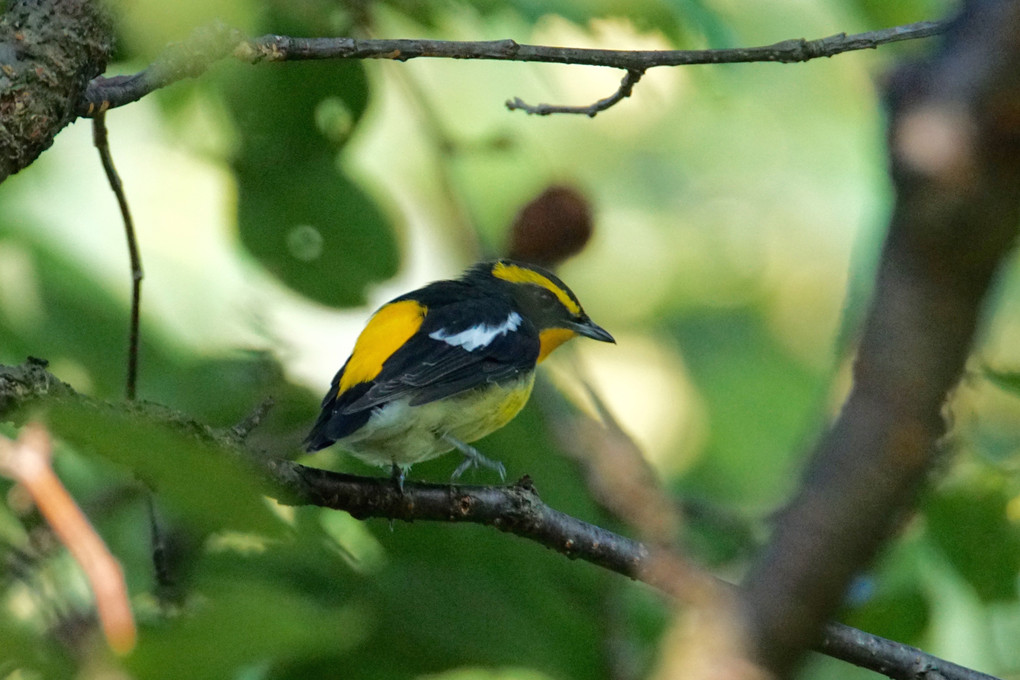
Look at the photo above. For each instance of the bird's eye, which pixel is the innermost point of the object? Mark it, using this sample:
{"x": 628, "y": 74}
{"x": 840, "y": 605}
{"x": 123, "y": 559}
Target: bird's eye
{"x": 547, "y": 298}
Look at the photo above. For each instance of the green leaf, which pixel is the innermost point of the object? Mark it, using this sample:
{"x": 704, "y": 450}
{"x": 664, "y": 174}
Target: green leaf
{"x": 762, "y": 405}
{"x": 299, "y": 213}
{"x": 246, "y": 624}
{"x": 1008, "y": 381}
{"x": 204, "y": 484}
{"x": 882, "y": 14}
{"x": 970, "y": 525}
{"x": 314, "y": 229}
{"x": 30, "y": 653}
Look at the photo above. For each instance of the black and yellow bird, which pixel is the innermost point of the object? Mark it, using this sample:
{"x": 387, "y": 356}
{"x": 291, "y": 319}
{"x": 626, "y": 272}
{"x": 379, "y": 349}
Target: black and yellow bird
{"x": 447, "y": 364}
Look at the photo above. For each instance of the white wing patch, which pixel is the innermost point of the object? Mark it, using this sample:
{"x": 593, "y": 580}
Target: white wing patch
{"x": 478, "y": 336}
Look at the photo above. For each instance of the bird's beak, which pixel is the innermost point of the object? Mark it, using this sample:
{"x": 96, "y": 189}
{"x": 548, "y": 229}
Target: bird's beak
{"x": 590, "y": 329}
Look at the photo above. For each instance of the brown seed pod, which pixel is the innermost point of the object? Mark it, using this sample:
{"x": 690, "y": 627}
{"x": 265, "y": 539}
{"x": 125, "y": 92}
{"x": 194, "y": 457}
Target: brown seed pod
{"x": 553, "y": 226}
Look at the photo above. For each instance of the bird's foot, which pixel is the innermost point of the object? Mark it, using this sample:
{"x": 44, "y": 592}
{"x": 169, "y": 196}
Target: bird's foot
{"x": 473, "y": 458}
{"x": 397, "y": 474}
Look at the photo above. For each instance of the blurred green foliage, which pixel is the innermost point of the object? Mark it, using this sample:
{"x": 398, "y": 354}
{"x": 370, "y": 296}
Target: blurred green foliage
{"x": 739, "y": 210}
{"x": 299, "y": 212}
{"x": 970, "y": 524}
{"x": 763, "y": 406}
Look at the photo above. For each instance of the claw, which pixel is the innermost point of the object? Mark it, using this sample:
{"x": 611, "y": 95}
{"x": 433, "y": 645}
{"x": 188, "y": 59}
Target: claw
{"x": 397, "y": 474}
{"x": 472, "y": 458}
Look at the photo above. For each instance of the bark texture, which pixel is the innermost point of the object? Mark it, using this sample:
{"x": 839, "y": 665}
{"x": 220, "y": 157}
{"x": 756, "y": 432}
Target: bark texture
{"x": 49, "y": 51}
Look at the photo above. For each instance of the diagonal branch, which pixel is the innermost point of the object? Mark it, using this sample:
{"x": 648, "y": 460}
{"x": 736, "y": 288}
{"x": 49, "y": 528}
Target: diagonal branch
{"x": 28, "y": 461}
{"x": 210, "y": 44}
{"x": 514, "y": 509}
{"x": 517, "y": 509}
{"x": 955, "y": 148}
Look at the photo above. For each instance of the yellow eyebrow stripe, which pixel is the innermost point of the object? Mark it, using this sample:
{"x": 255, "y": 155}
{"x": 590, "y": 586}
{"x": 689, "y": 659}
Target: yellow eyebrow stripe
{"x": 515, "y": 274}
{"x": 386, "y": 332}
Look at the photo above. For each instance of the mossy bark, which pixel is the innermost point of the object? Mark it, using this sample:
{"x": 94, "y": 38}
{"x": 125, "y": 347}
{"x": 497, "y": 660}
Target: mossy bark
{"x": 49, "y": 51}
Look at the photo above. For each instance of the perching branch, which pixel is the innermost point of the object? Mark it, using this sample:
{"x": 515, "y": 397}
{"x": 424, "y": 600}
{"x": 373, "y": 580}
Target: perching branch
{"x": 514, "y": 509}
{"x": 210, "y": 44}
{"x": 517, "y": 509}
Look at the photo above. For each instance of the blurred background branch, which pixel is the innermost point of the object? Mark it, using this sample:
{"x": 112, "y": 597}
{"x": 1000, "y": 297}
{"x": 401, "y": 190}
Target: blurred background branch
{"x": 954, "y": 142}
{"x": 28, "y": 461}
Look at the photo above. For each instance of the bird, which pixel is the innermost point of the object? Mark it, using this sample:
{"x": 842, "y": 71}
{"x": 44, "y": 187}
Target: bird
{"x": 447, "y": 364}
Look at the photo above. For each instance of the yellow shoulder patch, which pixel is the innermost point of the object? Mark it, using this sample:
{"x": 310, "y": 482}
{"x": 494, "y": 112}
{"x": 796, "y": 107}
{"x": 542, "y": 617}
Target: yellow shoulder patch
{"x": 515, "y": 274}
{"x": 386, "y": 332}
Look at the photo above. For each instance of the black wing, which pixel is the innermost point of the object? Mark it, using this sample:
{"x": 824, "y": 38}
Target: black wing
{"x": 331, "y": 423}
{"x": 428, "y": 368}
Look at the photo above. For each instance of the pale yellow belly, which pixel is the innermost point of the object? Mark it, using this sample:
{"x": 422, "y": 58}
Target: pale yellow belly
{"x": 404, "y": 435}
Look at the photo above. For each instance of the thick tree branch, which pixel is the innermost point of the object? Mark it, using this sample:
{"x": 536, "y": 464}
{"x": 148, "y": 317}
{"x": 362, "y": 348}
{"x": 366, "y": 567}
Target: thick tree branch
{"x": 210, "y": 44}
{"x": 49, "y": 51}
{"x": 955, "y": 147}
{"x": 514, "y": 509}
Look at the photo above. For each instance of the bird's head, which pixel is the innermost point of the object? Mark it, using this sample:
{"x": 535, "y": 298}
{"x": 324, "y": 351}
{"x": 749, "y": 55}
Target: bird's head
{"x": 545, "y": 301}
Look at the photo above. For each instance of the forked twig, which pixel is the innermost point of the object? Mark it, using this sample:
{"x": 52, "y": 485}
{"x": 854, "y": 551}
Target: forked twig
{"x": 625, "y": 90}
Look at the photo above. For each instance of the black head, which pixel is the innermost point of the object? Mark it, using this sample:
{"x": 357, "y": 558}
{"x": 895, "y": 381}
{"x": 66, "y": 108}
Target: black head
{"x": 545, "y": 300}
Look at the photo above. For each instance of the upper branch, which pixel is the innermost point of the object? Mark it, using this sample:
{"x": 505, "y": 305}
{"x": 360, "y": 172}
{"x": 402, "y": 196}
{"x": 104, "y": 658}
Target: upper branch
{"x": 283, "y": 48}
{"x": 210, "y": 44}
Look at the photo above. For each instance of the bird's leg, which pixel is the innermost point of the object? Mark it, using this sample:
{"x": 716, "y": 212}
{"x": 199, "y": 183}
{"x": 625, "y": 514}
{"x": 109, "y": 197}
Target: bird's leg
{"x": 397, "y": 475}
{"x": 472, "y": 458}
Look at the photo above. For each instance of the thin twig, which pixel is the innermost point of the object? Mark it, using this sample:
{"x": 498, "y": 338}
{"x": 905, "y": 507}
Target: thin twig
{"x": 253, "y": 419}
{"x": 160, "y": 560}
{"x": 28, "y": 462}
{"x": 101, "y": 141}
{"x": 624, "y": 91}
{"x": 210, "y": 44}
